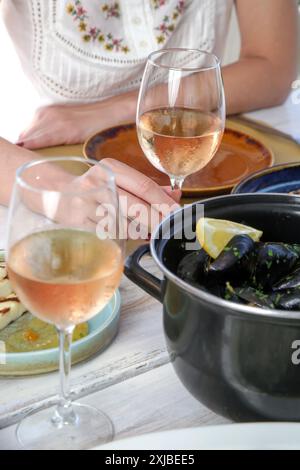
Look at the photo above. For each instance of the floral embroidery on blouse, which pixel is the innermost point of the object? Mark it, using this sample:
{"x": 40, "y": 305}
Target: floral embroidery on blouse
{"x": 112, "y": 11}
{"x": 169, "y": 22}
{"x": 158, "y": 3}
{"x": 93, "y": 33}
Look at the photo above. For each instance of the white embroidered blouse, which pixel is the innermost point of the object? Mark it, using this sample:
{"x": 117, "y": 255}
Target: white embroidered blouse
{"x": 87, "y": 50}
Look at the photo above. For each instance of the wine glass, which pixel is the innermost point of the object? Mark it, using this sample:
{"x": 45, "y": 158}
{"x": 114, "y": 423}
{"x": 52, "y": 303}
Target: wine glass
{"x": 65, "y": 254}
{"x": 181, "y": 111}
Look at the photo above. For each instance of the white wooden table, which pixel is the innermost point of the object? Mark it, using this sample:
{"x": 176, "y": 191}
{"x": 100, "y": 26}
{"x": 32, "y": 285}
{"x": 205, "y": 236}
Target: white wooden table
{"x": 132, "y": 380}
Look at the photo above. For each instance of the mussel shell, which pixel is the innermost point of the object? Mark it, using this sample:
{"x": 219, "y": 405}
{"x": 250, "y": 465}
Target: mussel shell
{"x": 230, "y": 294}
{"x": 193, "y": 267}
{"x": 218, "y": 290}
{"x": 288, "y": 300}
{"x": 231, "y": 260}
{"x": 291, "y": 281}
{"x": 255, "y": 297}
{"x": 266, "y": 275}
{"x": 270, "y": 263}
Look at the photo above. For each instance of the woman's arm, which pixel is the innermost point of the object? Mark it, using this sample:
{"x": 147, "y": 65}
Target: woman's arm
{"x": 137, "y": 190}
{"x": 261, "y": 78}
{"x": 73, "y": 124}
{"x": 11, "y": 158}
{"x": 267, "y": 66}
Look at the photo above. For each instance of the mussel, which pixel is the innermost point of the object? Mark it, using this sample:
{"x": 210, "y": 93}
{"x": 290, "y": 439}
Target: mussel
{"x": 291, "y": 281}
{"x": 255, "y": 297}
{"x": 230, "y": 294}
{"x": 288, "y": 300}
{"x": 266, "y": 275}
{"x": 270, "y": 263}
{"x": 193, "y": 267}
{"x": 231, "y": 262}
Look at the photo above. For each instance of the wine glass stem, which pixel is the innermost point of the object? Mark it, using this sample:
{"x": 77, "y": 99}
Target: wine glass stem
{"x": 64, "y": 413}
{"x": 176, "y": 182}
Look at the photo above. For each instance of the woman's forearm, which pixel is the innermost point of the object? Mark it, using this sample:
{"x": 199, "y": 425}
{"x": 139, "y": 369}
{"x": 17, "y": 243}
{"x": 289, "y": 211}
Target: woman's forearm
{"x": 250, "y": 83}
{"x": 11, "y": 158}
{"x": 254, "y": 83}
{"x": 118, "y": 109}
{"x": 263, "y": 75}
{"x": 73, "y": 124}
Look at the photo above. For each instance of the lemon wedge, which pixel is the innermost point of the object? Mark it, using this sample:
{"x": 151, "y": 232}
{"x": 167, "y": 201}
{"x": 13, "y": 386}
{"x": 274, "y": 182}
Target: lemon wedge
{"x": 214, "y": 234}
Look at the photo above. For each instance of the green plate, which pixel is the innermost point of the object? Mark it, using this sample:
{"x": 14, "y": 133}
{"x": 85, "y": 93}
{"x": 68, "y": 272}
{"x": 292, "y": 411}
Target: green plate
{"x": 103, "y": 328}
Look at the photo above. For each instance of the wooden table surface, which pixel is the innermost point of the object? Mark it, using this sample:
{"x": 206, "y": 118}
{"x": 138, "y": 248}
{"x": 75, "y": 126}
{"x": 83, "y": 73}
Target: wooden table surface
{"x": 132, "y": 380}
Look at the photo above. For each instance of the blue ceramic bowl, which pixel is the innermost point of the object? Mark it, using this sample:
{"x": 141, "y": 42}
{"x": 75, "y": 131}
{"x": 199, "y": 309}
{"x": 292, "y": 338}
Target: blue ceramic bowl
{"x": 278, "y": 179}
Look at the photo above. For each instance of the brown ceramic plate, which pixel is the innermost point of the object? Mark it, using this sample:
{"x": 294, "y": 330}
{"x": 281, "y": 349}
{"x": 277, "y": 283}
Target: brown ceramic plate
{"x": 239, "y": 156}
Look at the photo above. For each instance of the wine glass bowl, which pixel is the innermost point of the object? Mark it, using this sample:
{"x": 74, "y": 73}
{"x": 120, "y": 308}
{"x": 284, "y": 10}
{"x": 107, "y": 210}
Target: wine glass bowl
{"x": 181, "y": 111}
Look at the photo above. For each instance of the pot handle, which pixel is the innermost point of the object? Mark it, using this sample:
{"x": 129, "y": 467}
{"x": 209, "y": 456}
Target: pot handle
{"x": 143, "y": 279}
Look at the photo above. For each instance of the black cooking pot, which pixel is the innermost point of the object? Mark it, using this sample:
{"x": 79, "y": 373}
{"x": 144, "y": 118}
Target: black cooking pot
{"x": 239, "y": 361}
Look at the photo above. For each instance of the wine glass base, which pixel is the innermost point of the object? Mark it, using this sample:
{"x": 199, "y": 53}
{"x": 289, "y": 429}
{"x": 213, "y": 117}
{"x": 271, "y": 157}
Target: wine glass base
{"x": 91, "y": 428}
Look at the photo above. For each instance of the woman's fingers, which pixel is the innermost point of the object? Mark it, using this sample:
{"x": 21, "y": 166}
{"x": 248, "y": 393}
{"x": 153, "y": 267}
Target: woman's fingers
{"x": 37, "y": 137}
{"x": 140, "y": 185}
{"x": 53, "y": 125}
{"x": 174, "y": 194}
{"x": 141, "y": 219}
{"x": 35, "y": 143}
{"x": 144, "y": 212}
{"x": 138, "y": 217}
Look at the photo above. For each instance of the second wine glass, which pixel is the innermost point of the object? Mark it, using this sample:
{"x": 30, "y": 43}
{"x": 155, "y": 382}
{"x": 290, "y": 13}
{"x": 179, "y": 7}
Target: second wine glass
{"x": 65, "y": 254}
{"x": 181, "y": 111}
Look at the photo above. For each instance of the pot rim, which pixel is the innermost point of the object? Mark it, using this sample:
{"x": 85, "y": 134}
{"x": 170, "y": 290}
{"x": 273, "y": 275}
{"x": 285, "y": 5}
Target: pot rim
{"x": 212, "y": 299}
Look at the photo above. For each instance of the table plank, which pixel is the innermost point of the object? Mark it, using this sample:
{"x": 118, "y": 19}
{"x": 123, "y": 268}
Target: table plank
{"x": 168, "y": 406}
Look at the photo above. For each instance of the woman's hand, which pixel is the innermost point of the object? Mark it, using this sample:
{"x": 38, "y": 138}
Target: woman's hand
{"x": 73, "y": 124}
{"x": 143, "y": 202}
{"x": 57, "y": 125}
{"x": 85, "y": 201}
{"x": 11, "y": 158}
{"x": 137, "y": 192}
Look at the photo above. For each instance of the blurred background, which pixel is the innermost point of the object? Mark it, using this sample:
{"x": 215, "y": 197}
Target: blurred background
{"x": 15, "y": 88}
